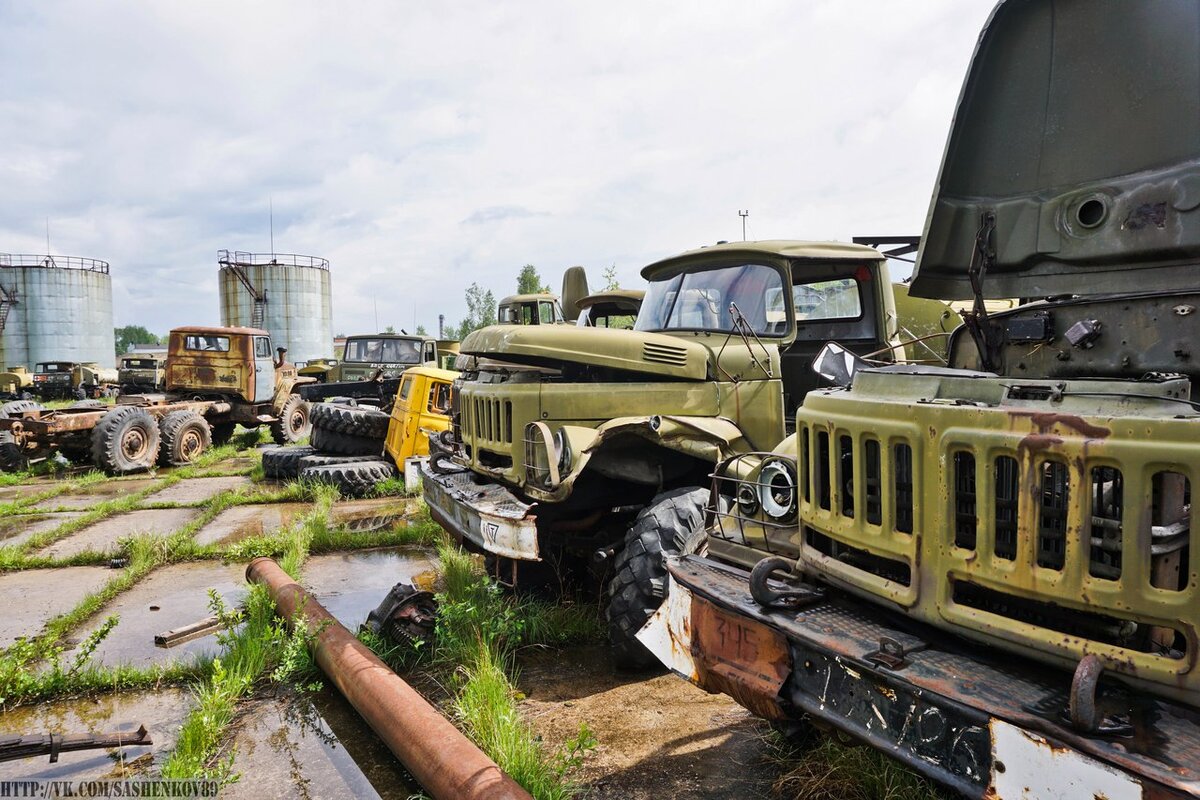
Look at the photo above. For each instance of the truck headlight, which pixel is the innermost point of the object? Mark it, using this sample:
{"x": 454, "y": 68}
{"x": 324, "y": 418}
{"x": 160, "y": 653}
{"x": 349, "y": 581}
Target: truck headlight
{"x": 777, "y": 489}
{"x": 541, "y": 455}
{"x": 562, "y": 446}
{"x": 747, "y": 500}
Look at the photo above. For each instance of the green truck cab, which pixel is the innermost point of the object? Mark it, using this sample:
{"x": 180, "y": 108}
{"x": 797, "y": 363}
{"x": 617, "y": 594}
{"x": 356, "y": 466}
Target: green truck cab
{"x": 989, "y": 570}
{"x": 141, "y": 372}
{"x": 586, "y": 448}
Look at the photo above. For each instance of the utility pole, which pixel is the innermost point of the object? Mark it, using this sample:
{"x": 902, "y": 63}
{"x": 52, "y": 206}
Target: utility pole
{"x": 743, "y": 215}
{"x": 271, "y": 201}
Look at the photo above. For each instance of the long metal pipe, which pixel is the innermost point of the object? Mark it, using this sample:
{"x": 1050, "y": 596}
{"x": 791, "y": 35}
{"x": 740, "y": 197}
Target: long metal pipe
{"x": 445, "y": 762}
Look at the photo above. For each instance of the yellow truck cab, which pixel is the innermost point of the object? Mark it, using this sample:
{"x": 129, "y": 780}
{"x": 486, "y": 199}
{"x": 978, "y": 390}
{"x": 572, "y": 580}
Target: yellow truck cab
{"x": 422, "y": 408}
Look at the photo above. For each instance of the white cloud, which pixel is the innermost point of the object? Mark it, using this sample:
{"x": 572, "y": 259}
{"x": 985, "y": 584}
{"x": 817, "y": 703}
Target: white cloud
{"x": 421, "y": 148}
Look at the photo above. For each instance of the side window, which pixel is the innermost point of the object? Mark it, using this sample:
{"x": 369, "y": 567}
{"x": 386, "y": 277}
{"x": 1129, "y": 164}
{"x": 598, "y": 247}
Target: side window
{"x": 430, "y": 351}
{"x": 439, "y": 398}
{"x": 218, "y": 344}
{"x": 545, "y": 313}
{"x": 836, "y": 299}
{"x": 406, "y": 388}
{"x": 526, "y": 314}
{"x": 262, "y": 347}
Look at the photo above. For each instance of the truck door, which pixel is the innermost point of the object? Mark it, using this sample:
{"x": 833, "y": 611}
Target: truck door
{"x": 431, "y": 354}
{"x": 264, "y": 370}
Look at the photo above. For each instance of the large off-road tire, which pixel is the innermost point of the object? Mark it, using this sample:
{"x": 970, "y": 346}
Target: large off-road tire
{"x": 283, "y": 463}
{"x": 324, "y": 460}
{"x": 345, "y": 444}
{"x": 639, "y": 583}
{"x": 353, "y": 479}
{"x": 185, "y": 435}
{"x": 89, "y": 404}
{"x": 19, "y": 406}
{"x": 221, "y": 432}
{"x": 292, "y": 423}
{"x": 364, "y": 421}
{"x": 125, "y": 440}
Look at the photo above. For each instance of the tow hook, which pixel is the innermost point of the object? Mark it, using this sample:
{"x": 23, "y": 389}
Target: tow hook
{"x": 765, "y": 595}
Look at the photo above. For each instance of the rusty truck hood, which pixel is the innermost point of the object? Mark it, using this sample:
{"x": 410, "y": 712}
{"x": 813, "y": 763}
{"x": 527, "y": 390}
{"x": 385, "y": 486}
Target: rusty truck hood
{"x": 1078, "y": 128}
{"x": 670, "y": 357}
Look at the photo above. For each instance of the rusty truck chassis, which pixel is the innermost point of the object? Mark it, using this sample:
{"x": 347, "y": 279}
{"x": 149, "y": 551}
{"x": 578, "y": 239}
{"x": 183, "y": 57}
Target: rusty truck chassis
{"x": 982, "y": 723}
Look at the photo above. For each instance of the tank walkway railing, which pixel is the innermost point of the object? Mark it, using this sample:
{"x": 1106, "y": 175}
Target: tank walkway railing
{"x": 239, "y": 259}
{"x": 53, "y": 262}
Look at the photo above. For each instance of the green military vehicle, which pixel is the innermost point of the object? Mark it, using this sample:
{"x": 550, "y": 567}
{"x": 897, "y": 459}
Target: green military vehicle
{"x": 142, "y": 372}
{"x": 989, "y": 570}
{"x": 574, "y": 444}
{"x": 614, "y": 308}
{"x": 370, "y": 367}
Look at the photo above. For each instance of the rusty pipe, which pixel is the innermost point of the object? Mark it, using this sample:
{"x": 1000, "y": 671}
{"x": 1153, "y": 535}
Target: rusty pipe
{"x": 439, "y": 756}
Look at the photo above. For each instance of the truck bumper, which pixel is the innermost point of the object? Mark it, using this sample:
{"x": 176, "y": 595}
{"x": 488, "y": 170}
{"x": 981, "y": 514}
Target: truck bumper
{"x": 487, "y": 515}
{"x": 984, "y": 724}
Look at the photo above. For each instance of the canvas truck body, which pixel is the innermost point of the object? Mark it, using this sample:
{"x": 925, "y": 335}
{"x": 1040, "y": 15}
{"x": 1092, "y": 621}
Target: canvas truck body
{"x": 990, "y": 570}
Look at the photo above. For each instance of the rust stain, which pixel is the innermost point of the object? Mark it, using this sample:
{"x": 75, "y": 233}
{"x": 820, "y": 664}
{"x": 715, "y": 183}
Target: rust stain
{"x": 1046, "y": 421}
{"x": 740, "y": 657}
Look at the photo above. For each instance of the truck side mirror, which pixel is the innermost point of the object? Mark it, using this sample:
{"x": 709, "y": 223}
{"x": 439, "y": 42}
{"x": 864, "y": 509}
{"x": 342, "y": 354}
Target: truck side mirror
{"x": 837, "y": 365}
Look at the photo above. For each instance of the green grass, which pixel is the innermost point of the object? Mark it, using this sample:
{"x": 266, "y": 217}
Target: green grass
{"x": 816, "y": 767}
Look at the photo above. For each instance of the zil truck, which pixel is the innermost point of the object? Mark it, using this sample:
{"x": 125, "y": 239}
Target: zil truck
{"x": 989, "y": 570}
{"x": 216, "y": 379}
{"x": 582, "y": 454}
{"x": 370, "y": 367}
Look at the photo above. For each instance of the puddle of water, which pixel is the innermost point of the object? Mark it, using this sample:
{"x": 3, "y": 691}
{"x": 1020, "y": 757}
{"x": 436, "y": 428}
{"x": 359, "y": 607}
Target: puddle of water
{"x": 161, "y": 711}
{"x": 197, "y": 490}
{"x": 34, "y": 596}
{"x": 350, "y": 585}
{"x": 169, "y": 598}
{"x": 96, "y": 493}
{"x": 235, "y": 464}
{"x": 34, "y": 486}
{"x": 16, "y": 529}
{"x": 315, "y": 746}
{"x": 102, "y": 537}
{"x": 241, "y": 522}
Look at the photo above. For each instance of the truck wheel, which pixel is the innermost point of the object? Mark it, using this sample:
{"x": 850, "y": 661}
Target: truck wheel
{"x": 89, "y": 404}
{"x": 345, "y": 444}
{"x": 354, "y": 479}
{"x": 324, "y": 460}
{"x": 292, "y": 424}
{"x": 362, "y": 421}
{"x": 125, "y": 440}
{"x": 221, "y": 432}
{"x": 185, "y": 435}
{"x": 12, "y": 457}
{"x": 639, "y": 583}
{"x": 283, "y": 463}
{"x": 19, "y": 406}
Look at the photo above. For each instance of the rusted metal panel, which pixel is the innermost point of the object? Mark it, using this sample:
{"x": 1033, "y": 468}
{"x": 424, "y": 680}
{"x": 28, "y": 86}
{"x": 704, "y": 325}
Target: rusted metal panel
{"x": 936, "y": 711}
{"x": 739, "y": 657}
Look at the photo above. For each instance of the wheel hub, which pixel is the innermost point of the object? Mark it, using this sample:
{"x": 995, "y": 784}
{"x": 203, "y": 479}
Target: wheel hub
{"x": 190, "y": 445}
{"x": 134, "y": 444}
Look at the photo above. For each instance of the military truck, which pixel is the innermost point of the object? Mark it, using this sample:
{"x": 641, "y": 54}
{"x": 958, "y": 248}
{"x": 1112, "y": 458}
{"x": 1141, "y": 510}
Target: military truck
{"x": 371, "y": 366}
{"x": 142, "y": 371}
{"x": 318, "y": 369}
{"x": 990, "y": 570}
{"x": 577, "y": 446}
{"x": 615, "y": 308}
{"x": 16, "y": 382}
{"x": 60, "y": 380}
{"x": 217, "y": 378}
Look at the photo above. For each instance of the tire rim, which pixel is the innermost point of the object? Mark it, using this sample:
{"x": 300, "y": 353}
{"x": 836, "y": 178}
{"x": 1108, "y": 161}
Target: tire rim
{"x": 133, "y": 445}
{"x": 191, "y": 444}
{"x": 297, "y": 421}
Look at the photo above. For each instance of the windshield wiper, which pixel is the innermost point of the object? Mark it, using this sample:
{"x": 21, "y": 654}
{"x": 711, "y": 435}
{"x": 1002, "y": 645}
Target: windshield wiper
{"x": 742, "y": 328}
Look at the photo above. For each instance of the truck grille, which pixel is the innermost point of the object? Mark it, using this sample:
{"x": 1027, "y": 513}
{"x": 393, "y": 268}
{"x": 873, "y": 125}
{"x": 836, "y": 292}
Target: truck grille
{"x": 1055, "y": 540}
{"x": 664, "y": 354}
{"x": 487, "y": 420}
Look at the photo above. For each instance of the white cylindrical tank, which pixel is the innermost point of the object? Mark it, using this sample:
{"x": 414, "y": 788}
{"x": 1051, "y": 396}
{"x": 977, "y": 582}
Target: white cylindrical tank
{"x": 55, "y": 308}
{"x": 288, "y": 295}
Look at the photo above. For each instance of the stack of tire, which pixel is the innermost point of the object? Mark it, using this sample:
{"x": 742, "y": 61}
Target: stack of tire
{"x": 345, "y": 450}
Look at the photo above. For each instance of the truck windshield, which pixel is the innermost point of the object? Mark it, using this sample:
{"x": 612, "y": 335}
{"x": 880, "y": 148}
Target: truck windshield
{"x": 139, "y": 363}
{"x": 53, "y": 367}
{"x": 383, "y": 351}
{"x": 699, "y": 301}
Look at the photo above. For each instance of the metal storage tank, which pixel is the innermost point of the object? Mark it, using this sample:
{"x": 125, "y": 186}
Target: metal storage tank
{"x": 288, "y": 295}
{"x": 55, "y": 308}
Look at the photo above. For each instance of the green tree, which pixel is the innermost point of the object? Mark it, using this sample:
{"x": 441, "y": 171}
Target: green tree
{"x": 481, "y": 312}
{"x": 389, "y": 329}
{"x": 530, "y": 282}
{"x": 421, "y": 331}
{"x": 610, "y": 278}
{"x": 130, "y": 335}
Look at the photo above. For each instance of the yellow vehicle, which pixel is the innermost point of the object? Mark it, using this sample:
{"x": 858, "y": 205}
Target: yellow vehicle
{"x": 354, "y": 447}
{"x": 421, "y": 410}
{"x": 15, "y": 381}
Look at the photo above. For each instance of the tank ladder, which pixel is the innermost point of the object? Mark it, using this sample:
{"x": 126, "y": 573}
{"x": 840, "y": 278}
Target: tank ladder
{"x": 259, "y": 312}
{"x": 8, "y": 299}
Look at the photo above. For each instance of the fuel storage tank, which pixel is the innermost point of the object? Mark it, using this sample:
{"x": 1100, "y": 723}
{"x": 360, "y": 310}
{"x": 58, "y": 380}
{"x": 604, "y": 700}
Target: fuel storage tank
{"x": 288, "y": 295}
{"x": 55, "y": 308}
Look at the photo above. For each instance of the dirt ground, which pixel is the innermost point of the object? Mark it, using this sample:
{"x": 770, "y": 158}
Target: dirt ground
{"x": 658, "y": 736}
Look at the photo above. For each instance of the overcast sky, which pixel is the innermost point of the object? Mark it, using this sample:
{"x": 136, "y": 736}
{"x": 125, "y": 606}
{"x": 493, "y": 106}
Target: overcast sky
{"x": 420, "y": 147}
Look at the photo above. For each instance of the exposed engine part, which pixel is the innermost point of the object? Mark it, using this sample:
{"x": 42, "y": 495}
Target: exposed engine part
{"x": 406, "y": 615}
{"x": 1083, "y": 334}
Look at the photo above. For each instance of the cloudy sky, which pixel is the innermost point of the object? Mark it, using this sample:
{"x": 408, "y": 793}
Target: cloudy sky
{"x": 420, "y": 147}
